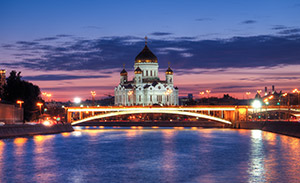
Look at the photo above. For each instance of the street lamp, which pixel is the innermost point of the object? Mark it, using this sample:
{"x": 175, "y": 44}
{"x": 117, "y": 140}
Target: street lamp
{"x": 208, "y": 92}
{"x": 20, "y": 102}
{"x": 49, "y": 95}
{"x": 256, "y": 104}
{"x": 77, "y": 100}
{"x": 129, "y": 93}
{"x": 297, "y": 91}
{"x": 93, "y": 96}
{"x": 167, "y": 93}
{"x": 258, "y": 91}
{"x": 248, "y": 93}
{"x": 39, "y": 104}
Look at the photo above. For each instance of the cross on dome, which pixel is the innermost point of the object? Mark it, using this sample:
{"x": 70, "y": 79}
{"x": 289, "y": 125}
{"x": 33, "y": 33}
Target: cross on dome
{"x": 146, "y": 40}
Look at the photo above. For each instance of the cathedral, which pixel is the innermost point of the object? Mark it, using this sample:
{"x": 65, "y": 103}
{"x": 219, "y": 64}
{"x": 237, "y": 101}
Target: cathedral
{"x": 146, "y": 88}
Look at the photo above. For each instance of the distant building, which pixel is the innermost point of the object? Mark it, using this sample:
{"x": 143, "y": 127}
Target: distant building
{"x": 2, "y": 81}
{"x": 2, "y": 77}
{"x": 146, "y": 88}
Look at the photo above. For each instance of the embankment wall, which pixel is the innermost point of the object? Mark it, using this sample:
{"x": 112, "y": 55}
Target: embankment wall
{"x": 8, "y": 131}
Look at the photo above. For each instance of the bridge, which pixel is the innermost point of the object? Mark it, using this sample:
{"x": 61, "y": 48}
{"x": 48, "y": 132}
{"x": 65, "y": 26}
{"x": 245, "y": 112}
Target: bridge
{"x": 223, "y": 114}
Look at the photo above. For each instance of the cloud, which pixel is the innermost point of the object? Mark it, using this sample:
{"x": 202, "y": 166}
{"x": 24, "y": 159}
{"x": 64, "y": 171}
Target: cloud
{"x": 78, "y": 88}
{"x": 172, "y": 49}
{"x": 47, "y": 39}
{"x": 290, "y": 31}
{"x": 161, "y": 33}
{"x": 232, "y": 87}
{"x": 203, "y": 19}
{"x": 186, "y": 55}
{"x": 58, "y": 77}
{"x": 248, "y": 22}
{"x": 111, "y": 52}
{"x": 279, "y": 27}
{"x": 92, "y": 27}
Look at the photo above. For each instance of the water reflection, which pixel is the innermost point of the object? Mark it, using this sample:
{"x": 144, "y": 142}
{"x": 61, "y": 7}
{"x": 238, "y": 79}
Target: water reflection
{"x": 2, "y": 146}
{"x": 168, "y": 160}
{"x": 256, "y": 165}
{"x": 44, "y": 160}
{"x": 151, "y": 155}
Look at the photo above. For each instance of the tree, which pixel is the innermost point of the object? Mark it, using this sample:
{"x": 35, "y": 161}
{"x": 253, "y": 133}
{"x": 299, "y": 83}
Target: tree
{"x": 18, "y": 89}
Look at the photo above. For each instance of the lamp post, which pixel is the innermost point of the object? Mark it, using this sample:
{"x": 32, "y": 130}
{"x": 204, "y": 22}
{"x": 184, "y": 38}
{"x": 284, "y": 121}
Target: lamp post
{"x": 167, "y": 93}
{"x": 201, "y": 93}
{"x": 77, "y": 100}
{"x": 49, "y": 95}
{"x": 208, "y": 92}
{"x": 93, "y": 96}
{"x": 266, "y": 101}
{"x": 129, "y": 93}
{"x": 20, "y": 102}
{"x": 258, "y": 91}
{"x": 297, "y": 91}
{"x": 39, "y": 104}
{"x": 256, "y": 104}
{"x": 248, "y": 93}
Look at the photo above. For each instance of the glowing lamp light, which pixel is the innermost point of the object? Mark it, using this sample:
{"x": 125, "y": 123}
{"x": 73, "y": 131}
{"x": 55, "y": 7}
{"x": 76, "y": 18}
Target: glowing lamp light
{"x": 77, "y": 100}
{"x": 47, "y": 123}
{"x": 256, "y": 104}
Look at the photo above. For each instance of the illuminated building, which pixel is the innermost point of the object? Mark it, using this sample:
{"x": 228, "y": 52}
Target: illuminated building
{"x": 2, "y": 77}
{"x": 2, "y": 81}
{"x": 146, "y": 88}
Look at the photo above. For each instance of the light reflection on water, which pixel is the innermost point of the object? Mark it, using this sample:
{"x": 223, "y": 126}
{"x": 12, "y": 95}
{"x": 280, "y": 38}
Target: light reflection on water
{"x": 151, "y": 155}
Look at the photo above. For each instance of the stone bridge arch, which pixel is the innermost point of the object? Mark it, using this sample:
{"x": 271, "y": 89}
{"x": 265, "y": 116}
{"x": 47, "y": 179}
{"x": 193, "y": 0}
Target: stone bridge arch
{"x": 119, "y": 113}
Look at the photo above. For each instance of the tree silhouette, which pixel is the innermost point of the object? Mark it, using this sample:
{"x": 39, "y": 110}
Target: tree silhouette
{"x": 18, "y": 89}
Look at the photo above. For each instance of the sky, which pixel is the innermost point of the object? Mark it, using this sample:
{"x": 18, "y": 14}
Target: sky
{"x": 71, "y": 47}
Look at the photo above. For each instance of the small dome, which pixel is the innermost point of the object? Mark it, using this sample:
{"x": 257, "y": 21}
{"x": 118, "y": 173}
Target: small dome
{"x": 123, "y": 72}
{"x": 138, "y": 70}
{"x": 169, "y": 71}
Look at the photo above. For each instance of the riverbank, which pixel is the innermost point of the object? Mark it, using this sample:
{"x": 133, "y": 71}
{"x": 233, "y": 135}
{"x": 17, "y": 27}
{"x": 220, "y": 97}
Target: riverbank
{"x": 9, "y": 131}
{"x": 280, "y": 127}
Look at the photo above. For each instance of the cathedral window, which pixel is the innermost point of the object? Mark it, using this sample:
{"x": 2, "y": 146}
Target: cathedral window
{"x": 140, "y": 98}
{"x": 151, "y": 73}
{"x": 150, "y": 98}
{"x": 146, "y": 73}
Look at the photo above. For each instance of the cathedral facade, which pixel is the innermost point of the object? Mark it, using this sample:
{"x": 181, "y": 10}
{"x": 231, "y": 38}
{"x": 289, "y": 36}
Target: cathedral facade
{"x": 146, "y": 88}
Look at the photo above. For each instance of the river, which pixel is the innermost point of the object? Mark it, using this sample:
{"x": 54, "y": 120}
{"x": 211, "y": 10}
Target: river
{"x": 151, "y": 155}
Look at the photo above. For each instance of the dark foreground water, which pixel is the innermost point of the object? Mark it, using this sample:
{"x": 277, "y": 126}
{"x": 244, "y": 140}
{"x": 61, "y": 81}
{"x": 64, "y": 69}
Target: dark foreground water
{"x": 151, "y": 155}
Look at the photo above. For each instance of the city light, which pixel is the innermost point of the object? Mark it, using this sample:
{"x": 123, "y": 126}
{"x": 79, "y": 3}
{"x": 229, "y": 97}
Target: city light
{"x": 20, "y": 102}
{"x": 130, "y": 92}
{"x": 93, "y": 93}
{"x": 39, "y": 104}
{"x": 48, "y": 95}
{"x": 77, "y": 100}
{"x": 47, "y": 123}
{"x": 248, "y": 93}
{"x": 168, "y": 92}
{"x": 256, "y": 104}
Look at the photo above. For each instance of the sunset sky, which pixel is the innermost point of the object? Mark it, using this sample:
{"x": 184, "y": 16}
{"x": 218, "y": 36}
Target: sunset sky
{"x": 71, "y": 47}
